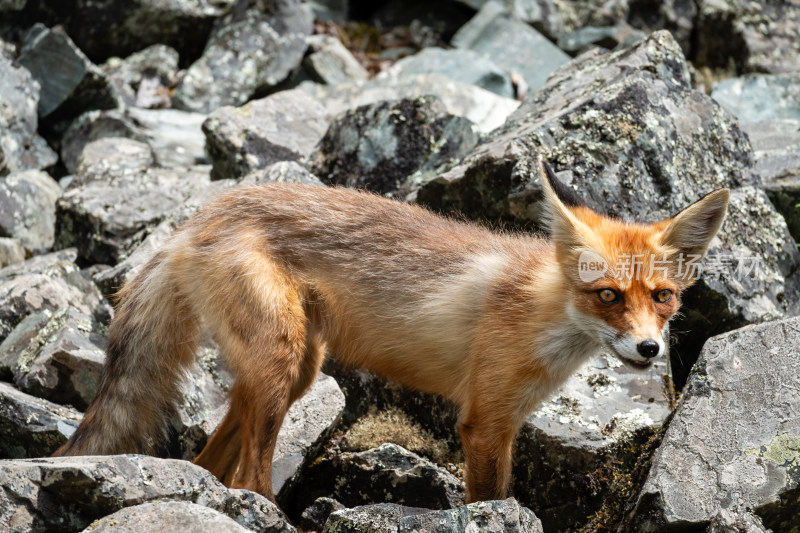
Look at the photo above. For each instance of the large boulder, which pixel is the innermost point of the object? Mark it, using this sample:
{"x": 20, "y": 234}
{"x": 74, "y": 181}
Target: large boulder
{"x": 21, "y": 148}
{"x": 283, "y": 127}
{"x": 379, "y": 146}
{"x": 253, "y": 48}
{"x": 165, "y": 516}
{"x": 28, "y": 208}
{"x": 69, "y": 493}
{"x": 626, "y": 131}
{"x": 733, "y": 442}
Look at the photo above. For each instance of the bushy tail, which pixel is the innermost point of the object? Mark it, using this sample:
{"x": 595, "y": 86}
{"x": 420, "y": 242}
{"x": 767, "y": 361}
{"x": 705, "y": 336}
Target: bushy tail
{"x": 152, "y": 340}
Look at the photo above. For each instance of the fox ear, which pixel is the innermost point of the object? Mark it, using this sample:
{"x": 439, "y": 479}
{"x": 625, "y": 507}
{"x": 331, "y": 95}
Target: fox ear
{"x": 559, "y": 200}
{"x": 690, "y": 231}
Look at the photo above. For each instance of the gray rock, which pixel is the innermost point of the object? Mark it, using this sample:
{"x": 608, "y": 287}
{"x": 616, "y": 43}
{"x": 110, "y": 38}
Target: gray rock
{"x": 31, "y": 427}
{"x": 544, "y": 15}
{"x": 283, "y": 172}
{"x": 306, "y": 427}
{"x": 499, "y": 516}
{"x": 250, "y": 51}
{"x": 28, "y": 208}
{"x": 63, "y": 361}
{"x": 71, "y": 83}
{"x": 20, "y": 146}
{"x": 757, "y": 97}
{"x": 727, "y": 521}
{"x": 732, "y": 444}
{"x": 466, "y": 66}
{"x": 112, "y": 279}
{"x": 329, "y": 62}
{"x": 482, "y": 107}
{"x": 330, "y": 10}
{"x": 144, "y": 78}
{"x": 106, "y": 213}
{"x": 379, "y": 146}
{"x": 69, "y": 493}
{"x": 283, "y": 127}
{"x": 111, "y": 157}
{"x": 18, "y": 340}
{"x": 776, "y": 150}
{"x": 176, "y": 137}
{"x": 610, "y": 37}
{"x": 387, "y": 473}
{"x": 528, "y": 53}
{"x": 315, "y": 516}
{"x": 95, "y": 125}
{"x": 594, "y": 420}
{"x": 47, "y": 282}
{"x": 636, "y": 140}
{"x": 759, "y": 36}
{"x": 165, "y": 516}
{"x": 11, "y": 252}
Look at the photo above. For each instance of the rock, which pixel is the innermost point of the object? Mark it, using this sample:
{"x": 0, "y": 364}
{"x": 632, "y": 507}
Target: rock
{"x": 176, "y": 137}
{"x": 80, "y": 85}
{"x": 18, "y": 340}
{"x": 610, "y": 37}
{"x": 736, "y": 522}
{"x": 544, "y": 15}
{"x": 315, "y": 516}
{"x": 499, "y": 516}
{"x": 95, "y": 125}
{"x": 106, "y": 213}
{"x": 283, "y": 127}
{"x": 757, "y": 97}
{"x": 306, "y": 427}
{"x": 528, "y": 53}
{"x": 632, "y": 138}
{"x": 329, "y": 62}
{"x": 776, "y": 151}
{"x": 12, "y": 5}
{"x": 597, "y": 418}
{"x": 251, "y": 50}
{"x": 11, "y": 252}
{"x": 63, "y": 361}
{"x": 31, "y": 427}
{"x": 112, "y": 279}
{"x": 50, "y": 282}
{"x": 732, "y": 444}
{"x": 144, "y": 78}
{"x": 69, "y": 493}
{"x": 378, "y": 146}
{"x": 20, "y": 146}
{"x": 465, "y": 66}
{"x": 387, "y": 473}
{"x": 28, "y": 208}
{"x": 330, "y": 10}
{"x": 165, "y": 516}
{"x": 283, "y": 172}
{"x": 111, "y": 157}
{"x": 758, "y": 36}
{"x": 482, "y": 107}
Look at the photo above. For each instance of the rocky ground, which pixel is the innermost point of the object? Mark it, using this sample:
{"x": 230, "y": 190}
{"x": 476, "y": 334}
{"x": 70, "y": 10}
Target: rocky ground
{"x": 119, "y": 119}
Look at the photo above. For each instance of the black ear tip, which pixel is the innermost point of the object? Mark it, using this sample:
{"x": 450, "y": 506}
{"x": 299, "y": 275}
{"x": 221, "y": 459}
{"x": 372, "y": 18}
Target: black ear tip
{"x": 563, "y": 192}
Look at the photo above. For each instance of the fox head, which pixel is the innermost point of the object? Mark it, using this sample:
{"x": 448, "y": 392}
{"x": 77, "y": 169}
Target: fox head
{"x": 625, "y": 279}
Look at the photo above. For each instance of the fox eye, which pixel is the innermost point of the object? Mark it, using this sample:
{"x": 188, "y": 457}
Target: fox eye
{"x": 607, "y": 296}
{"x": 663, "y": 296}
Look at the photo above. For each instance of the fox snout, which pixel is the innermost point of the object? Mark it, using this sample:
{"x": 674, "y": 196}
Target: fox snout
{"x": 639, "y": 351}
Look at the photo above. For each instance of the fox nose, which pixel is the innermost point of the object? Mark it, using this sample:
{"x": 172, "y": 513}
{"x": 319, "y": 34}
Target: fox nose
{"x": 648, "y": 349}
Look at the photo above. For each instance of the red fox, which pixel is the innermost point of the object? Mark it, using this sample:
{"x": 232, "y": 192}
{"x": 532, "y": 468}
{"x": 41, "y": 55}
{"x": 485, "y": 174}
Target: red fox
{"x": 281, "y": 273}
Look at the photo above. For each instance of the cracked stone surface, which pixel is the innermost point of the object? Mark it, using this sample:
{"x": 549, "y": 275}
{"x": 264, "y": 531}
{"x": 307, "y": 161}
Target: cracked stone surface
{"x": 734, "y": 442}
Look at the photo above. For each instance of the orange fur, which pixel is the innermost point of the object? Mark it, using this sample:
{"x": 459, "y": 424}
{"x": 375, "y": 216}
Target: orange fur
{"x": 281, "y": 273}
